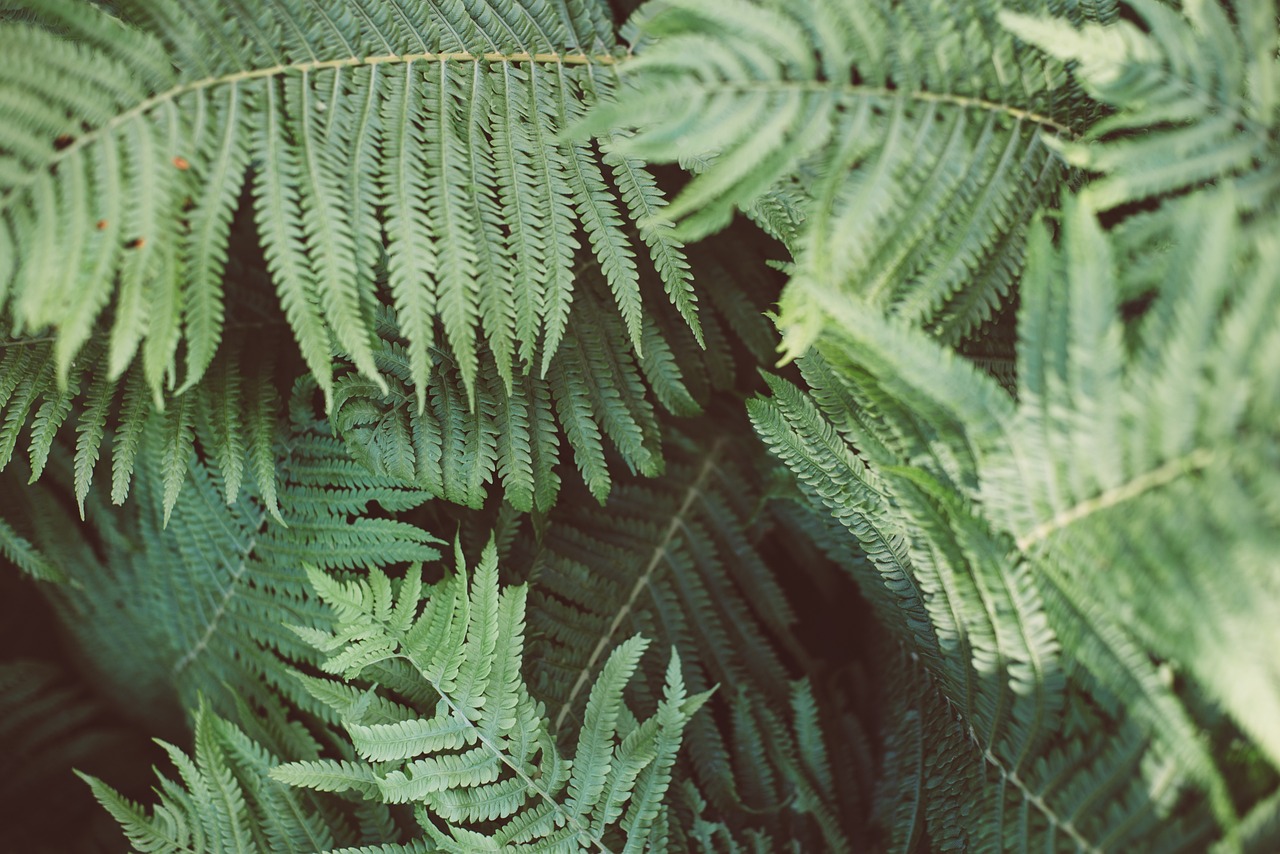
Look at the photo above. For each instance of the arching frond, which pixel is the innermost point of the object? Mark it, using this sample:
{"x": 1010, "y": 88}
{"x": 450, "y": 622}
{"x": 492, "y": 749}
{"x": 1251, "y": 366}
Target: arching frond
{"x": 1085, "y": 793}
{"x": 897, "y": 151}
{"x": 168, "y": 613}
{"x": 432, "y": 130}
{"x": 1165, "y": 447}
{"x": 681, "y": 560}
{"x": 1194, "y": 93}
{"x": 225, "y": 801}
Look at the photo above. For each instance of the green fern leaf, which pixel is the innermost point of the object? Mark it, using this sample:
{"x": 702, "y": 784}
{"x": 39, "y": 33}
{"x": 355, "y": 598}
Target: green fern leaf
{"x": 226, "y": 802}
{"x": 18, "y": 550}
{"x": 333, "y": 118}
{"x": 205, "y": 257}
{"x": 486, "y": 754}
{"x": 176, "y": 589}
{"x": 1194, "y": 96}
{"x": 176, "y": 439}
{"x": 908, "y": 151}
{"x": 1089, "y": 461}
{"x": 128, "y": 438}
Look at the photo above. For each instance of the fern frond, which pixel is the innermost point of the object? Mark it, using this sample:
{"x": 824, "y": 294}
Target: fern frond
{"x": 19, "y": 551}
{"x": 226, "y": 802}
{"x": 1031, "y": 284}
{"x": 682, "y": 560}
{"x": 430, "y": 129}
{"x": 188, "y": 600}
{"x": 898, "y": 154}
{"x": 1086, "y": 793}
{"x": 1194, "y": 93}
{"x": 1117, "y": 441}
{"x": 235, "y": 413}
{"x": 597, "y": 398}
{"x": 486, "y": 756}
{"x": 1187, "y": 436}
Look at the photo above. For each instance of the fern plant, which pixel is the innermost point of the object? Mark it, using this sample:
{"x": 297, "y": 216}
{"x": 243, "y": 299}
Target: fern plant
{"x": 152, "y": 146}
{"x": 899, "y": 151}
{"x": 1020, "y": 588}
{"x": 465, "y": 648}
{"x": 359, "y": 186}
{"x": 296, "y": 294}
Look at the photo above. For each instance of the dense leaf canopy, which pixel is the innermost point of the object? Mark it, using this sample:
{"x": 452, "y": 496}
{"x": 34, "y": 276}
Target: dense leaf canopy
{"x": 299, "y": 297}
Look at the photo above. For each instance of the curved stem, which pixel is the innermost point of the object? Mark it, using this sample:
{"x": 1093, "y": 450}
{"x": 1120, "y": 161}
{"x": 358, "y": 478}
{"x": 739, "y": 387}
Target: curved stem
{"x": 205, "y": 83}
{"x": 655, "y": 559}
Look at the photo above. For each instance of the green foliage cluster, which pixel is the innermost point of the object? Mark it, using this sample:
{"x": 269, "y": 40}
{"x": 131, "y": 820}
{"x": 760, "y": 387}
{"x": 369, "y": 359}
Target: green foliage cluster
{"x": 299, "y": 297}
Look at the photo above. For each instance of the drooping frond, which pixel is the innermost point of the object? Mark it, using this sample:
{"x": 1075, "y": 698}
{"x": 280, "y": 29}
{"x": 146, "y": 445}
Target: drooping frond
{"x": 1137, "y": 444}
{"x": 234, "y": 410}
{"x": 484, "y": 769}
{"x": 1170, "y": 455}
{"x": 594, "y": 392}
{"x": 897, "y": 151}
{"x": 1085, "y": 792}
{"x": 429, "y": 130}
{"x": 598, "y": 394}
{"x": 681, "y": 560}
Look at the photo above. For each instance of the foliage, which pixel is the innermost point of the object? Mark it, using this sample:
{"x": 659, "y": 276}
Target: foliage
{"x": 1070, "y": 472}
{"x": 899, "y": 151}
{"x": 140, "y": 163}
{"x": 226, "y": 801}
{"x": 987, "y": 562}
{"x": 361, "y": 191}
{"x": 465, "y": 649}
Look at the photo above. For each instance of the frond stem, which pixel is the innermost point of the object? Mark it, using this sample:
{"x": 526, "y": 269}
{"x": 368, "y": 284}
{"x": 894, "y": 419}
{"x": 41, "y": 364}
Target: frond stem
{"x": 1010, "y": 776}
{"x": 497, "y": 751}
{"x": 1066, "y": 825}
{"x": 857, "y": 90}
{"x": 655, "y": 559}
{"x": 1200, "y": 458}
{"x": 233, "y": 78}
{"x": 192, "y": 654}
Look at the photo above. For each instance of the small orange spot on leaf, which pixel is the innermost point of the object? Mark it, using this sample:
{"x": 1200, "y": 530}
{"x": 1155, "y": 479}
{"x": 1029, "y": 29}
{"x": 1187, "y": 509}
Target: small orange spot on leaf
{"x": 102, "y": 225}
{"x": 136, "y": 243}
{"x": 181, "y": 163}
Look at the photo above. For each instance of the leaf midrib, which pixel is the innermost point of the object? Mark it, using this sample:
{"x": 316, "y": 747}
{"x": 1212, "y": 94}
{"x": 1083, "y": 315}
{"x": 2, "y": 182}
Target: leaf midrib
{"x": 232, "y": 590}
{"x": 1139, "y": 484}
{"x": 277, "y": 70}
{"x": 858, "y": 90}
